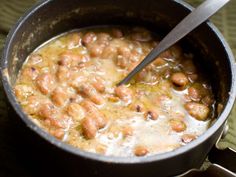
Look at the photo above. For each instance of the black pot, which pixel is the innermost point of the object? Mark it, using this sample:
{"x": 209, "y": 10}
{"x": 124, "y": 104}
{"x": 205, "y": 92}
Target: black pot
{"x": 52, "y": 17}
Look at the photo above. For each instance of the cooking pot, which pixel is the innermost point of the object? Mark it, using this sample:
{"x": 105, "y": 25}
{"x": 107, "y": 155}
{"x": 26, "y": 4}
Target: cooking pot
{"x": 52, "y": 17}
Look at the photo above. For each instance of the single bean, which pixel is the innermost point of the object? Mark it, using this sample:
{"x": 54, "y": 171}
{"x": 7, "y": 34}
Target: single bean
{"x": 179, "y": 79}
{"x": 140, "y": 151}
{"x": 45, "y": 83}
{"x": 177, "y": 125}
{"x": 59, "y": 96}
{"x": 197, "y": 110}
{"x": 124, "y": 93}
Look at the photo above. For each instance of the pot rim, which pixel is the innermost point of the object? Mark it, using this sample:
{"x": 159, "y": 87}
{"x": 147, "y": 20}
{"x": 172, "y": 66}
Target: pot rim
{"x": 112, "y": 159}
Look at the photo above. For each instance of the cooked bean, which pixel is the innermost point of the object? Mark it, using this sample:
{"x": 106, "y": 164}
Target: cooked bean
{"x": 125, "y": 52}
{"x": 207, "y": 100}
{"x": 99, "y": 118}
{"x": 34, "y": 59}
{"x": 71, "y": 59}
{"x": 151, "y": 114}
{"x": 137, "y": 107}
{"x": 140, "y": 151}
{"x": 179, "y": 79}
{"x": 59, "y": 96}
{"x": 48, "y": 111}
{"x": 109, "y": 52}
{"x": 177, "y": 125}
{"x": 29, "y": 73}
{"x": 90, "y": 92}
{"x": 127, "y": 131}
{"x": 23, "y": 91}
{"x": 89, "y": 127}
{"x": 57, "y": 133}
{"x": 122, "y": 62}
{"x": 194, "y": 94}
{"x": 197, "y": 110}
{"x": 45, "y": 83}
{"x": 98, "y": 84}
{"x": 75, "y": 40}
{"x": 117, "y": 33}
{"x": 187, "y": 138}
{"x": 75, "y": 111}
{"x": 63, "y": 73}
{"x": 103, "y": 38}
{"x": 124, "y": 93}
{"x": 33, "y": 104}
{"x": 159, "y": 62}
{"x": 96, "y": 50}
{"x": 89, "y": 38}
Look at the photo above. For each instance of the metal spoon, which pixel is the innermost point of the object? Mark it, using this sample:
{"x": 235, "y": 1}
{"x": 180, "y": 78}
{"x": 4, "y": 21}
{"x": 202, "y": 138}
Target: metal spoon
{"x": 188, "y": 24}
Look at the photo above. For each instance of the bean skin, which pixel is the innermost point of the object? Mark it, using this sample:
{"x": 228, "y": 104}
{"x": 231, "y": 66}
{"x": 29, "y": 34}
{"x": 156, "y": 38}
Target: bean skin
{"x": 140, "y": 151}
{"x": 59, "y": 96}
{"x": 177, "y": 125}
{"x": 29, "y": 74}
{"x": 92, "y": 111}
{"x": 122, "y": 62}
{"x": 89, "y": 128}
{"x": 103, "y": 38}
{"x": 109, "y": 52}
{"x": 151, "y": 114}
{"x": 179, "y": 79}
{"x": 124, "y": 93}
{"x": 117, "y": 33}
{"x": 63, "y": 74}
{"x": 187, "y": 138}
{"x": 96, "y": 50}
{"x": 98, "y": 84}
{"x": 45, "y": 83}
{"x": 127, "y": 131}
{"x": 48, "y": 111}
{"x": 89, "y": 38}
{"x": 197, "y": 110}
{"x": 90, "y": 92}
{"x": 71, "y": 59}
{"x": 194, "y": 94}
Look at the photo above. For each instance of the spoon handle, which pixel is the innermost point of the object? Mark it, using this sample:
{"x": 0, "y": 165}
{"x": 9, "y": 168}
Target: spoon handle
{"x": 188, "y": 24}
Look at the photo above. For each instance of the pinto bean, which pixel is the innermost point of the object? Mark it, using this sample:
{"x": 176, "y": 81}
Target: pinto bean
{"x": 177, "y": 125}
{"x": 187, "y": 138}
{"x": 57, "y": 133}
{"x": 125, "y": 52}
{"x": 95, "y": 114}
{"x": 127, "y": 131}
{"x": 89, "y": 38}
{"x": 59, "y": 96}
{"x": 71, "y": 59}
{"x": 159, "y": 62}
{"x": 63, "y": 74}
{"x": 98, "y": 84}
{"x": 75, "y": 40}
{"x": 117, "y": 33}
{"x": 33, "y": 104}
{"x": 179, "y": 79}
{"x": 29, "y": 74}
{"x": 122, "y": 62}
{"x": 194, "y": 94}
{"x": 90, "y": 92}
{"x": 197, "y": 110}
{"x": 140, "y": 151}
{"x": 103, "y": 38}
{"x": 96, "y": 50}
{"x": 75, "y": 111}
{"x": 151, "y": 114}
{"x": 89, "y": 127}
{"x": 34, "y": 59}
{"x": 124, "y": 93}
{"x": 208, "y": 100}
{"x": 45, "y": 83}
{"x": 23, "y": 91}
{"x": 48, "y": 111}
{"x": 109, "y": 52}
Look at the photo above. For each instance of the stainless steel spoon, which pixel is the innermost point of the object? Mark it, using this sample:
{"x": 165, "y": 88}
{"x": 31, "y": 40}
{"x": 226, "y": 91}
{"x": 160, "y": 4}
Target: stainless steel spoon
{"x": 188, "y": 24}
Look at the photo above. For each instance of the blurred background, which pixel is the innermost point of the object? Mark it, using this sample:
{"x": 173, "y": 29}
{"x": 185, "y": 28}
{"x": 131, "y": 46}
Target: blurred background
{"x": 11, "y": 11}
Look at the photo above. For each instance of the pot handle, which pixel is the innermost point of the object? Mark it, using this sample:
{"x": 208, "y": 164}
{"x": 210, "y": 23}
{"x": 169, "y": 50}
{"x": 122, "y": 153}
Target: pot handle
{"x": 222, "y": 161}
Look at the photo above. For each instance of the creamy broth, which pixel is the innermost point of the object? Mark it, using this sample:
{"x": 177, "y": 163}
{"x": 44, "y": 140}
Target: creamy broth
{"x": 68, "y": 87}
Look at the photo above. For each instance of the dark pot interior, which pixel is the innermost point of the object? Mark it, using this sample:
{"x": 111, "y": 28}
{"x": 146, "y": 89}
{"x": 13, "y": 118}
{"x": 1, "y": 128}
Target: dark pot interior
{"x": 51, "y": 18}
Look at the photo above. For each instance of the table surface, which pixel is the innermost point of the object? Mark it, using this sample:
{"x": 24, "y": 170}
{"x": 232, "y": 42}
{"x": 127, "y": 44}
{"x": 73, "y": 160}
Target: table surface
{"x": 14, "y": 155}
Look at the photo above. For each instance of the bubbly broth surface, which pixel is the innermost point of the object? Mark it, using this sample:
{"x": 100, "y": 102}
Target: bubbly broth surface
{"x": 68, "y": 87}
